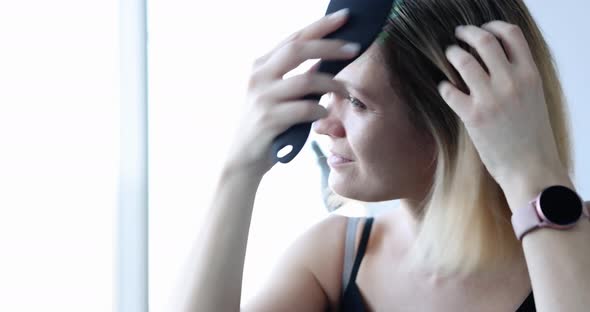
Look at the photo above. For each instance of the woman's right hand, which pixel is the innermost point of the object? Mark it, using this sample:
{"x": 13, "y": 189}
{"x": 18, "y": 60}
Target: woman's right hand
{"x": 274, "y": 104}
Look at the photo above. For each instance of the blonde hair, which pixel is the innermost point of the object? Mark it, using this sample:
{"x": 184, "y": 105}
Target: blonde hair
{"x": 465, "y": 224}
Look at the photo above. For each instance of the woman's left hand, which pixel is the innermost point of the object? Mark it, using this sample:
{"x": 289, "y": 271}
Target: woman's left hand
{"x": 505, "y": 113}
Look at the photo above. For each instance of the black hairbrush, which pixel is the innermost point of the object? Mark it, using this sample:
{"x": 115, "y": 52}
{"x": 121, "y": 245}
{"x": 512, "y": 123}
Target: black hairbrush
{"x": 365, "y": 22}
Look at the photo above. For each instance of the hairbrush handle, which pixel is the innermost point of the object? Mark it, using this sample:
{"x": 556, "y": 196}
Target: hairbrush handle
{"x": 296, "y": 136}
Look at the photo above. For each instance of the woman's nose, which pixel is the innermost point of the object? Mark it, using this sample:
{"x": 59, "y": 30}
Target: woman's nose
{"x": 331, "y": 125}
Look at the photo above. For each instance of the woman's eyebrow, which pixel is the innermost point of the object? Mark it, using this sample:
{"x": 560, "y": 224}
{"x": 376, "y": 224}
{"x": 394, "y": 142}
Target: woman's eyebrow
{"x": 363, "y": 92}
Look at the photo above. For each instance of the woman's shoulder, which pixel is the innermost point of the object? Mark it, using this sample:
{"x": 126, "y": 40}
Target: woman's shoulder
{"x": 308, "y": 276}
{"x": 330, "y": 234}
{"x": 326, "y": 258}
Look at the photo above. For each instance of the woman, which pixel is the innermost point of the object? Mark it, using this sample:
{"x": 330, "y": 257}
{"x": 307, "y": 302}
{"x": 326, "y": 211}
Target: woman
{"x": 462, "y": 125}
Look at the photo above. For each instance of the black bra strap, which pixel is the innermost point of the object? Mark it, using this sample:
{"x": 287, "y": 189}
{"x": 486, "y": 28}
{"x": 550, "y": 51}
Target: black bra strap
{"x": 362, "y": 248}
{"x": 528, "y": 305}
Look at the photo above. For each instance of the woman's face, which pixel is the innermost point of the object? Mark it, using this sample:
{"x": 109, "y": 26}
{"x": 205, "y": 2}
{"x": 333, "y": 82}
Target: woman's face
{"x": 389, "y": 159}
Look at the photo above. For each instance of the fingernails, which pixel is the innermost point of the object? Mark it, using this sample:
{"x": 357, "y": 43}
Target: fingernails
{"x": 339, "y": 14}
{"x": 351, "y": 48}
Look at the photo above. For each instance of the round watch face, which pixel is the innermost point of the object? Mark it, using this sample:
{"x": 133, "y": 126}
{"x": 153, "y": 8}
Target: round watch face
{"x": 560, "y": 205}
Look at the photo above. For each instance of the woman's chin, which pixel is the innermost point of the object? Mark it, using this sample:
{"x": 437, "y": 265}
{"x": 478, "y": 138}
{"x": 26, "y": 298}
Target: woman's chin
{"x": 352, "y": 191}
{"x": 347, "y": 190}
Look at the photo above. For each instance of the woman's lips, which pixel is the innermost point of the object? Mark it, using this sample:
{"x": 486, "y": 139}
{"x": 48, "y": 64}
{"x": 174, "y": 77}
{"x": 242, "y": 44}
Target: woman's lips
{"x": 335, "y": 160}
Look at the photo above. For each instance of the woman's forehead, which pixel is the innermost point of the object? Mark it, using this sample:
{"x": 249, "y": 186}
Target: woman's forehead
{"x": 367, "y": 74}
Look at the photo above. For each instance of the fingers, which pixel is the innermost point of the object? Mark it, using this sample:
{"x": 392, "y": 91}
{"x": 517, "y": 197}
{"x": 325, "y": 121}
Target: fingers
{"x": 504, "y": 61}
{"x": 505, "y": 52}
{"x": 319, "y": 29}
{"x": 324, "y": 26}
{"x": 455, "y": 98}
{"x": 514, "y": 41}
{"x": 488, "y": 48}
{"x": 468, "y": 67}
{"x": 296, "y": 52}
{"x": 502, "y": 47}
{"x": 298, "y": 86}
{"x": 295, "y": 112}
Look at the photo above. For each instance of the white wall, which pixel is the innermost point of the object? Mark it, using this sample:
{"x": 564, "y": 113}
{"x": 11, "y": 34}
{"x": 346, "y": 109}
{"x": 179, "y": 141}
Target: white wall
{"x": 59, "y": 128}
{"x": 199, "y": 63}
{"x": 565, "y": 27}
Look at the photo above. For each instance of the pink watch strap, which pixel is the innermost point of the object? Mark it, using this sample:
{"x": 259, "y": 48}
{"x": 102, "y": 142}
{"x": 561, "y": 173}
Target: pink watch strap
{"x": 525, "y": 219}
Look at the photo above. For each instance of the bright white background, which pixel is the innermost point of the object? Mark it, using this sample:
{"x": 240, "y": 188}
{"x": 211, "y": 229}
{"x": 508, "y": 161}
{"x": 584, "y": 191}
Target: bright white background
{"x": 200, "y": 57}
{"x": 59, "y": 128}
{"x": 59, "y": 145}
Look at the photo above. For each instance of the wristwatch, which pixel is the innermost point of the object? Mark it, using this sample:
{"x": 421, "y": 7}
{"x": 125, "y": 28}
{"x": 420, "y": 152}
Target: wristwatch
{"x": 557, "y": 207}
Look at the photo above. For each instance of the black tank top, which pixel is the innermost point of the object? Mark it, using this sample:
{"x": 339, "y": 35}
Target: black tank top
{"x": 352, "y": 301}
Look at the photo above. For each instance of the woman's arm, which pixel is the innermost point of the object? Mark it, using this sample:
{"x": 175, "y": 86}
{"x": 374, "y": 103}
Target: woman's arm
{"x": 558, "y": 261}
{"x": 214, "y": 271}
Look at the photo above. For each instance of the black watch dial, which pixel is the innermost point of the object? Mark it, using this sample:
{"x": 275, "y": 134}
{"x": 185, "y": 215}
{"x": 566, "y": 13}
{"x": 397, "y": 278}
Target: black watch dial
{"x": 561, "y": 205}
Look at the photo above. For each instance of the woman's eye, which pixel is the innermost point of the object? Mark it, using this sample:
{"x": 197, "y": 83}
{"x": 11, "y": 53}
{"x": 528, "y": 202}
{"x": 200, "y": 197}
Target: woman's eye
{"x": 356, "y": 103}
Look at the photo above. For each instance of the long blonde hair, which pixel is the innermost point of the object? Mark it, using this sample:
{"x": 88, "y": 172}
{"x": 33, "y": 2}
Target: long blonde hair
{"x": 465, "y": 224}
